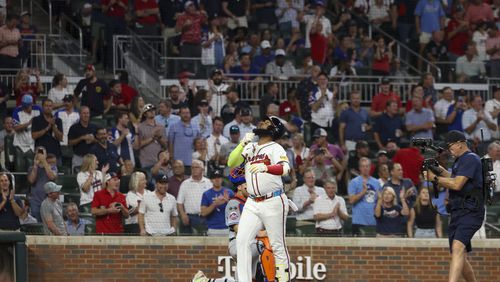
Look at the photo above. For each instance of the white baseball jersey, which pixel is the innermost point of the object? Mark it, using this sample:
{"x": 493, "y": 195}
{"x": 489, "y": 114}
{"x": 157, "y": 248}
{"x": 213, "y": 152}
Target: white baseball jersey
{"x": 233, "y": 215}
{"x": 259, "y": 184}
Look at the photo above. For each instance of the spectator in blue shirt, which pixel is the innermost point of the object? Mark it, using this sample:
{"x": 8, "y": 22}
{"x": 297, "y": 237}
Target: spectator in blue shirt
{"x": 165, "y": 116}
{"x": 455, "y": 113}
{"x": 388, "y": 126}
{"x": 246, "y": 69}
{"x": 266, "y": 56}
{"x": 213, "y": 205}
{"x": 363, "y": 192}
{"x": 353, "y": 123}
{"x": 75, "y": 225}
{"x": 105, "y": 151}
{"x": 389, "y": 214}
{"x": 420, "y": 120}
{"x": 181, "y": 137}
{"x": 429, "y": 17}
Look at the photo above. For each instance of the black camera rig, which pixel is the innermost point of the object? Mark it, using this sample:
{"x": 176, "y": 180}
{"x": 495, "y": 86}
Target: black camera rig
{"x": 426, "y": 144}
{"x": 489, "y": 179}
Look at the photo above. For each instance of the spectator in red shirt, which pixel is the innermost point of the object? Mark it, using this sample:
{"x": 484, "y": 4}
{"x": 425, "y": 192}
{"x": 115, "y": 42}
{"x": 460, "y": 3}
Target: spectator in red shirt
{"x": 379, "y": 102}
{"x": 189, "y": 25}
{"x": 457, "y": 34}
{"x": 117, "y": 101}
{"x": 290, "y": 107}
{"x": 128, "y": 92}
{"x": 109, "y": 207}
{"x": 23, "y": 85}
{"x": 115, "y": 11}
{"x": 382, "y": 57}
{"x": 410, "y": 159}
{"x": 418, "y": 91}
{"x": 478, "y": 12}
{"x": 319, "y": 43}
{"x": 147, "y": 15}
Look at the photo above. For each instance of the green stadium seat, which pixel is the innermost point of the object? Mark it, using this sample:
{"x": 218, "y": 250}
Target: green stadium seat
{"x": 90, "y": 229}
{"x": 33, "y": 229}
{"x": 100, "y": 122}
{"x": 9, "y": 151}
{"x": 492, "y": 217}
{"x": 70, "y": 188}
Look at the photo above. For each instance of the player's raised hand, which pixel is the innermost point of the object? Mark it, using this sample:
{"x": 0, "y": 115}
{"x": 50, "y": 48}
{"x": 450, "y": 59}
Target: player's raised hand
{"x": 247, "y": 139}
{"x": 259, "y": 167}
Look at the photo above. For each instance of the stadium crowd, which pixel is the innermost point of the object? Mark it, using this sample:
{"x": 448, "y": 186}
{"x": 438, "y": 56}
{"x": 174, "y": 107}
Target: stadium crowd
{"x": 160, "y": 169}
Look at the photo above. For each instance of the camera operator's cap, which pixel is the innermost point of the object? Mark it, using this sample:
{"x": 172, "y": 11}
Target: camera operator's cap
{"x": 50, "y": 187}
{"x": 109, "y": 176}
{"x": 280, "y": 52}
{"x": 265, "y": 44}
{"x": 234, "y": 129}
{"x": 68, "y": 98}
{"x": 385, "y": 80}
{"x": 27, "y": 100}
{"x": 362, "y": 144}
{"x": 320, "y": 132}
{"x": 216, "y": 174}
{"x": 148, "y": 107}
{"x": 454, "y": 136}
{"x": 162, "y": 178}
{"x": 381, "y": 152}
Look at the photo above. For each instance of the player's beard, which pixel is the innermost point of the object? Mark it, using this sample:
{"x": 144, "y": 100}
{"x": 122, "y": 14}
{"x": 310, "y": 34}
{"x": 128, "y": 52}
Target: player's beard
{"x": 262, "y": 132}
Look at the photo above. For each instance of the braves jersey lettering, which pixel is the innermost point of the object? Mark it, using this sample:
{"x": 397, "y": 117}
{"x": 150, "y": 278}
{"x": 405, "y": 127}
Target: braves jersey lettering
{"x": 272, "y": 153}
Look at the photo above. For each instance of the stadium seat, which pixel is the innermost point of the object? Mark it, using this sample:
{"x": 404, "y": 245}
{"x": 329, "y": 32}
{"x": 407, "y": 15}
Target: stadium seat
{"x": 70, "y": 188}
{"x": 33, "y": 229}
{"x": 9, "y": 151}
{"x": 124, "y": 181}
{"x": 90, "y": 229}
{"x": 100, "y": 122}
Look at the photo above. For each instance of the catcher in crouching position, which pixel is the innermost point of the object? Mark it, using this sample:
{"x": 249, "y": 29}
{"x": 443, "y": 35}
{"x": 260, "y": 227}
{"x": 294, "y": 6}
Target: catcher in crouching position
{"x": 267, "y": 205}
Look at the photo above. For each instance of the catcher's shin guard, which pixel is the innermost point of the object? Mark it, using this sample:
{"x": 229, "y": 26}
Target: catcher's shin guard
{"x": 266, "y": 258}
{"x": 282, "y": 273}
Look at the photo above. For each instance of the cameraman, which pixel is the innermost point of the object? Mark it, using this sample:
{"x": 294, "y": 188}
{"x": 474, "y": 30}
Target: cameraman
{"x": 466, "y": 202}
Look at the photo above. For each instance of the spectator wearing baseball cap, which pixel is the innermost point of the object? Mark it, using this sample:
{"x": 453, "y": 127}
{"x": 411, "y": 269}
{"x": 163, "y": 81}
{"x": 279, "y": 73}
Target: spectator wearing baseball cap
{"x": 109, "y": 207}
{"x": 380, "y": 100}
{"x": 320, "y": 141}
{"x": 213, "y": 205}
{"x": 266, "y": 56}
{"x": 203, "y": 120}
{"x": 362, "y": 150}
{"x": 52, "y": 211}
{"x": 246, "y": 125}
{"x": 94, "y": 92}
{"x": 281, "y": 68}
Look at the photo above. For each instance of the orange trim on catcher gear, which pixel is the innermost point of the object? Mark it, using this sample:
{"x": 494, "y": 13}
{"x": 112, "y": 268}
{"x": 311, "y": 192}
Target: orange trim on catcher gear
{"x": 267, "y": 259}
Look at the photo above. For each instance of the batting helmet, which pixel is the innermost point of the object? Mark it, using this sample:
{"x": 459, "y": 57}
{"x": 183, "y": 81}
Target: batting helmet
{"x": 277, "y": 129}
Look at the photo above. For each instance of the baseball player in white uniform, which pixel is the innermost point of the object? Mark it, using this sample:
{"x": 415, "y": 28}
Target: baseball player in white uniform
{"x": 267, "y": 205}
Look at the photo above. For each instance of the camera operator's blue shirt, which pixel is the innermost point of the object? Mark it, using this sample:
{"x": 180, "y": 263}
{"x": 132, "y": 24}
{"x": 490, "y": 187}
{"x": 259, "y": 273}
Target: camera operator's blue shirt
{"x": 468, "y": 165}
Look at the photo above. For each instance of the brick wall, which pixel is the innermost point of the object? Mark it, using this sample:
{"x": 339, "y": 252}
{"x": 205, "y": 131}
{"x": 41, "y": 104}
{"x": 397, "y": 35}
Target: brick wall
{"x": 178, "y": 259}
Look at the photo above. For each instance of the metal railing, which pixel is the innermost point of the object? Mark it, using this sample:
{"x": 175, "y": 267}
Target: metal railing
{"x": 150, "y": 49}
{"x": 36, "y": 47}
{"x": 46, "y": 80}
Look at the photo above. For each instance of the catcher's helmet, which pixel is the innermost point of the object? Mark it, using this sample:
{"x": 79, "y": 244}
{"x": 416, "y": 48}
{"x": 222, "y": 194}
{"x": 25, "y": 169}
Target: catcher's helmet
{"x": 237, "y": 176}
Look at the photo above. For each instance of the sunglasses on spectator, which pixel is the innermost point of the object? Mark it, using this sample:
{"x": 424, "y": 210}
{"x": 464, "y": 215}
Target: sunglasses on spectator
{"x": 161, "y": 206}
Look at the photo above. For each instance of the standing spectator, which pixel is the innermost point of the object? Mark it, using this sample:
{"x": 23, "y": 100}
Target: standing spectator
{"x": 115, "y": 11}
{"x": 304, "y": 197}
{"x": 128, "y": 93}
{"x": 319, "y": 43}
{"x": 289, "y": 109}
{"x": 28, "y": 34}
{"x": 436, "y": 51}
{"x": 410, "y": 159}
{"x": 365, "y": 52}
{"x": 135, "y": 197}
{"x": 382, "y": 57}
{"x": 398, "y": 183}
{"x": 312, "y": 20}
{"x": 379, "y": 102}
{"x": 478, "y": 12}
{"x": 363, "y": 192}
{"x": 162, "y": 166}
{"x": 457, "y": 33}
{"x": 317, "y": 162}
{"x": 455, "y": 113}
{"x": 157, "y": 211}
{"x": 287, "y": 14}
{"x": 116, "y": 101}
{"x": 23, "y": 142}
{"x": 491, "y": 106}
{"x": 189, "y": 25}
{"x": 362, "y": 150}
{"x": 47, "y": 130}
{"x": 174, "y": 182}
{"x": 426, "y": 217}
{"x": 330, "y": 211}
{"x": 280, "y": 68}
{"x": 306, "y": 87}
{"x": 270, "y": 97}
{"x": 246, "y": 124}
{"x": 219, "y": 91}
{"x": 175, "y": 97}
{"x": 494, "y": 154}
{"x": 213, "y": 41}
{"x": 300, "y": 152}
{"x": 147, "y": 21}
{"x": 81, "y": 137}
{"x": 51, "y": 211}
{"x": 389, "y": 214}
{"x": 388, "y": 126}
{"x": 90, "y": 180}
{"x": 59, "y": 90}
{"x": 493, "y": 49}
{"x": 441, "y": 109}
{"x": 237, "y": 12}
{"x": 469, "y": 68}
{"x": 181, "y": 137}
{"x": 203, "y": 120}
{"x": 109, "y": 207}
{"x": 354, "y": 122}
{"x": 169, "y": 11}
{"x": 323, "y": 103}
{"x": 152, "y": 138}
{"x": 215, "y": 141}
{"x": 23, "y": 86}
{"x": 165, "y": 116}
{"x": 75, "y": 225}
{"x": 105, "y": 151}
{"x": 123, "y": 138}
{"x": 264, "y": 13}
{"x": 93, "y": 90}
{"x": 475, "y": 119}
{"x": 10, "y": 40}
{"x": 10, "y": 206}
{"x": 136, "y": 114}
{"x": 68, "y": 116}
{"x": 189, "y": 199}
{"x": 378, "y": 14}
{"x": 7, "y": 131}
{"x": 321, "y": 142}
{"x": 430, "y": 92}
{"x": 429, "y": 17}
{"x": 479, "y": 37}
{"x": 419, "y": 121}
{"x": 246, "y": 70}
{"x": 213, "y": 205}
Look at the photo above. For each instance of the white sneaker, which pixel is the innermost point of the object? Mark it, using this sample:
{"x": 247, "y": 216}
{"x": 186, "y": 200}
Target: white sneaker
{"x": 200, "y": 277}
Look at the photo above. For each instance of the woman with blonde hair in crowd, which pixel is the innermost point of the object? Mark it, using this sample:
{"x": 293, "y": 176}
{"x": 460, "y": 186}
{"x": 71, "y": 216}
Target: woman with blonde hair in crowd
{"x": 137, "y": 191}
{"x": 90, "y": 180}
{"x": 425, "y": 216}
{"x": 389, "y": 214}
{"x": 300, "y": 152}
